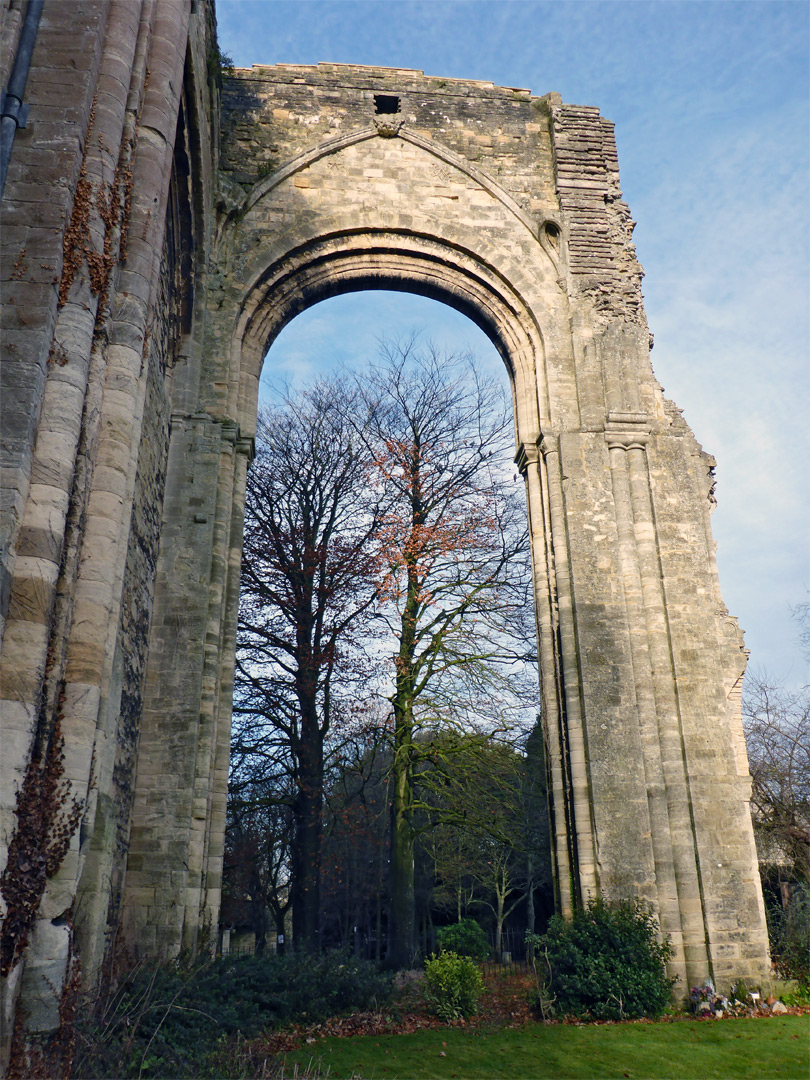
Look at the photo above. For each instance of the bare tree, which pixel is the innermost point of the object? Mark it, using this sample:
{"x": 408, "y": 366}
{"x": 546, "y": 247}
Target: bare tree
{"x": 257, "y": 865}
{"x": 777, "y": 731}
{"x": 777, "y": 728}
{"x": 309, "y": 581}
{"x": 455, "y": 586}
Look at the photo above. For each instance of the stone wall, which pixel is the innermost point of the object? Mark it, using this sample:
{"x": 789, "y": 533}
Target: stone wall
{"x": 89, "y": 272}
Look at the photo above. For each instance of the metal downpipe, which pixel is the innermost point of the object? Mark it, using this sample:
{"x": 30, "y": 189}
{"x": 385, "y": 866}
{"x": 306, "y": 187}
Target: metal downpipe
{"x": 13, "y": 113}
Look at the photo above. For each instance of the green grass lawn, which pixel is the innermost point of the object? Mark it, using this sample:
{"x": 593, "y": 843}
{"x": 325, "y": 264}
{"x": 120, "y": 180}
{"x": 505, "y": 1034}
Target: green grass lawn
{"x": 724, "y": 1050}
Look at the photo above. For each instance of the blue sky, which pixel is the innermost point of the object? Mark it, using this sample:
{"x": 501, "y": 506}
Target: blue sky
{"x": 711, "y": 105}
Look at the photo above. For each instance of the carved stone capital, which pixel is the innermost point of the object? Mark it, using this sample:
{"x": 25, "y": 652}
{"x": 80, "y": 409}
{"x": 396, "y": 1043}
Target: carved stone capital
{"x": 549, "y": 443}
{"x": 627, "y": 430}
{"x": 229, "y": 430}
{"x": 528, "y": 454}
{"x": 246, "y": 444}
{"x": 627, "y": 440}
{"x": 387, "y": 126}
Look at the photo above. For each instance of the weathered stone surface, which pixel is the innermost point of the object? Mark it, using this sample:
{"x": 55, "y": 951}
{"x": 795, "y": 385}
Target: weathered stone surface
{"x": 45, "y": 969}
{"x": 130, "y": 395}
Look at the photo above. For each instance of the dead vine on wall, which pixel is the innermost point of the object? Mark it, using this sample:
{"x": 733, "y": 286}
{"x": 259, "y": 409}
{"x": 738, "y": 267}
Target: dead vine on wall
{"x": 46, "y": 820}
{"x": 113, "y": 202}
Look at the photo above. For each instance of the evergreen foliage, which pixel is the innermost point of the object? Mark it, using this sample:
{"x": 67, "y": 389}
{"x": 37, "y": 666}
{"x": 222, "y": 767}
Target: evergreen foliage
{"x": 167, "y": 1020}
{"x": 466, "y": 938}
{"x": 607, "y": 962}
{"x": 453, "y": 985}
{"x": 789, "y": 931}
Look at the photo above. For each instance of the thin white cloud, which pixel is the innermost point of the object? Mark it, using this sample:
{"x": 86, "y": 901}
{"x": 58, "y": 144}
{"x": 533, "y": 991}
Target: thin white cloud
{"x": 710, "y": 102}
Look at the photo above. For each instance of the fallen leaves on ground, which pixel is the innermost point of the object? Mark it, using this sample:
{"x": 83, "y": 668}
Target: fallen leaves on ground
{"x": 505, "y": 1003}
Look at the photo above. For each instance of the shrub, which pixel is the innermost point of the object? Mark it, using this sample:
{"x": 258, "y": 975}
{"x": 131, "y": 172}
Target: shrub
{"x": 789, "y": 931}
{"x": 465, "y": 938}
{"x": 796, "y": 995}
{"x": 168, "y": 1020}
{"x": 453, "y": 985}
{"x": 606, "y": 962}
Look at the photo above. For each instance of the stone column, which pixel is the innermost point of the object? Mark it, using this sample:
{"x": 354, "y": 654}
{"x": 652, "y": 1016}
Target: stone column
{"x": 158, "y": 864}
{"x": 621, "y": 441}
{"x": 545, "y": 599}
{"x": 213, "y": 731}
{"x": 679, "y": 827}
{"x": 175, "y": 861}
{"x": 88, "y": 705}
{"x": 60, "y": 470}
{"x": 585, "y": 879}
{"x": 218, "y": 788}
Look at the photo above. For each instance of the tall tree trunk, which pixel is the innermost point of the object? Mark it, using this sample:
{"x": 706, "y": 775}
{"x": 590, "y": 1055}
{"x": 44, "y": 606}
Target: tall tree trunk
{"x": 307, "y": 843}
{"x": 499, "y": 929}
{"x": 401, "y": 938}
{"x": 350, "y": 915}
{"x": 530, "y": 915}
{"x": 278, "y": 919}
{"x": 378, "y": 921}
{"x": 401, "y": 950}
{"x": 258, "y": 913}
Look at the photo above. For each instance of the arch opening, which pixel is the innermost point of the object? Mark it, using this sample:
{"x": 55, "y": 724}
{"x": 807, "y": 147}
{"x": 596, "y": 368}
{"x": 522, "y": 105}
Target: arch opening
{"x": 365, "y": 938}
{"x": 345, "y": 329}
{"x": 424, "y": 266}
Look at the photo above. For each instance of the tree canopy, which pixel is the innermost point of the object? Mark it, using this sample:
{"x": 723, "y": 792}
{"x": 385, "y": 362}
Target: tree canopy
{"x": 385, "y": 561}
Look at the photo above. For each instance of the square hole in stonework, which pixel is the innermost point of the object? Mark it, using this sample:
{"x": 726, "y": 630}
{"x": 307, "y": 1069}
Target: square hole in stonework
{"x": 386, "y": 104}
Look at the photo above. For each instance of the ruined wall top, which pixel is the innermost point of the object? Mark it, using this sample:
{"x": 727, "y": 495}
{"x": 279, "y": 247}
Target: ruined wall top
{"x": 557, "y": 161}
{"x": 271, "y": 114}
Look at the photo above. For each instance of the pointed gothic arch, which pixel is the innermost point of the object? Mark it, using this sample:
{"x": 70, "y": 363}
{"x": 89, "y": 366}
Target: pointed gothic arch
{"x": 632, "y": 635}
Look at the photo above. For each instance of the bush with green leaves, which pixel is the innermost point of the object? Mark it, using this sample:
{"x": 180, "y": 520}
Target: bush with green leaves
{"x": 607, "y": 961}
{"x": 466, "y": 937}
{"x": 168, "y": 1020}
{"x": 789, "y": 931}
{"x": 796, "y": 995}
{"x": 453, "y": 985}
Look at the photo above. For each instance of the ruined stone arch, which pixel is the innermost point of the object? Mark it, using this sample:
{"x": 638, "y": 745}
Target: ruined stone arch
{"x": 134, "y": 433}
{"x": 381, "y": 248}
{"x": 631, "y": 626}
{"x": 390, "y": 260}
